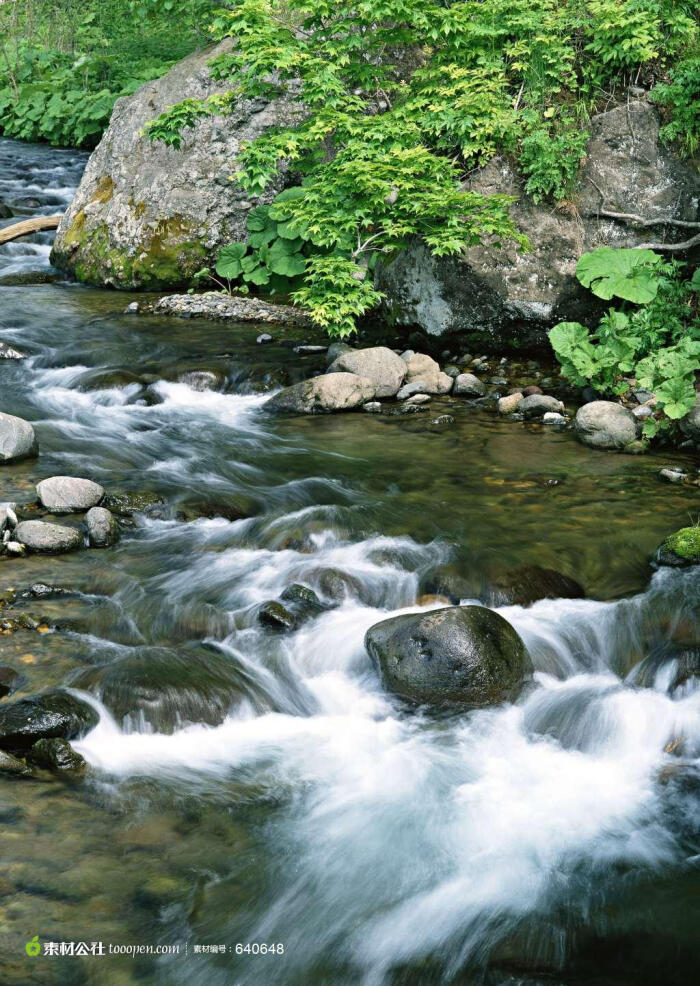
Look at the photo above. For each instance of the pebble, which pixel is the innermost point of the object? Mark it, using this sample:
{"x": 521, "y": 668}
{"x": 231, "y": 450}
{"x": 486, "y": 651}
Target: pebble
{"x": 263, "y": 338}
{"x": 372, "y": 407}
{"x": 132, "y": 309}
{"x": 307, "y": 350}
{"x": 553, "y": 418}
{"x": 642, "y": 411}
{"x": 443, "y": 419}
{"x": 418, "y": 399}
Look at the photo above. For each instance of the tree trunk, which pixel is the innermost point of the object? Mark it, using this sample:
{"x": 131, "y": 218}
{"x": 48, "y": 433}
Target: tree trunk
{"x": 27, "y": 226}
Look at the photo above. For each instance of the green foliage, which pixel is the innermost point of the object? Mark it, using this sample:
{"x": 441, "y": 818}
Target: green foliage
{"x": 655, "y": 346}
{"x": 628, "y": 274}
{"x": 404, "y": 98}
{"x": 63, "y": 64}
{"x": 680, "y": 98}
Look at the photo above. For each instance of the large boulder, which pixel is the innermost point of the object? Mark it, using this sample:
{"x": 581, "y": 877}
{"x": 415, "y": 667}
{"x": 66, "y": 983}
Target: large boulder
{"x": 690, "y": 424}
{"x": 465, "y": 655}
{"x": 322, "y": 395}
{"x": 49, "y": 539}
{"x": 605, "y": 425}
{"x": 68, "y": 494}
{"x": 502, "y": 291}
{"x": 17, "y": 438}
{"x": 525, "y": 585}
{"x": 51, "y": 714}
{"x": 382, "y": 366}
{"x": 150, "y": 216}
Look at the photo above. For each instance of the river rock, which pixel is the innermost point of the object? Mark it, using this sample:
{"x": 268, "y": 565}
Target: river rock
{"x": 8, "y": 517}
{"x": 12, "y": 766}
{"x": 322, "y": 395}
{"x": 525, "y": 585}
{"x": 67, "y": 494}
{"x": 337, "y": 586}
{"x": 5, "y": 211}
{"x": 131, "y": 502}
{"x": 102, "y": 528}
{"x": 536, "y": 405}
{"x": 275, "y": 616}
{"x": 56, "y": 755}
{"x": 690, "y": 424}
{"x": 467, "y": 385}
{"x": 605, "y": 425}
{"x": 423, "y": 369}
{"x": 553, "y": 418}
{"x": 10, "y": 680}
{"x": 17, "y": 438}
{"x": 43, "y": 538}
{"x": 509, "y": 294}
{"x": 9, "y": 352}
{"x": 509, "y": 403}
{"x": 168, "y": 688}
{"x": 681, "y": 548}
{"x": 50, "y": 714}
{"x": 382, "y": 366}
{"x": 465, "y": 655}
{"x": 149, "y": 216}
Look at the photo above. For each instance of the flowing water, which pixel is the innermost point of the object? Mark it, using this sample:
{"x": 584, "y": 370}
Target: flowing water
{"x": 253, "y": 787}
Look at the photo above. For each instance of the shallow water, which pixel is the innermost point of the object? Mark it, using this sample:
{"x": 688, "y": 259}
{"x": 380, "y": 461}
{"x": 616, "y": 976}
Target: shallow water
{"x": 551, "y": 840}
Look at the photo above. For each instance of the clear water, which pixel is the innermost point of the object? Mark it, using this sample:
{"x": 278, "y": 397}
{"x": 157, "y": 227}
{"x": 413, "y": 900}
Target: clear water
{"x": 549, "y": 841}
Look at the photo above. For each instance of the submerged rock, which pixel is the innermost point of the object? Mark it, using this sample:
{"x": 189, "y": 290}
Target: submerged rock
{"x": 323, "y": 395}
{"x": 168, "y": 688}
{"x": 10, "y": 680}
{"x": 17, "y": 438}
{"x": 149, "y": 216}
{"x": 102, "y": 528}
{"x": 605, "y": 425}
{"x": 68, "y": 494}
{"x": 131, "y": 502}
{"x": 525, "y": 585}
{"x": 51, "y": 714}
{"x": 680, "y": 549}
{"x": 43, "y": 538}
{"x": 56, "y": 755}
{"x": 382, "y": 366}
{"x": 465, "y": 655}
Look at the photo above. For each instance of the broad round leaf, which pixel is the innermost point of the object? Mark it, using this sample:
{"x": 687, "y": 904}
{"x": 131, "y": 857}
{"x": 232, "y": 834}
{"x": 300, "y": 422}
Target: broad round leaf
{"x": 626, "y": 274}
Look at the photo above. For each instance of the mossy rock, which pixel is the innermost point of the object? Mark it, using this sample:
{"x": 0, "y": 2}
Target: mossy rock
{"x": 681, "y": 548}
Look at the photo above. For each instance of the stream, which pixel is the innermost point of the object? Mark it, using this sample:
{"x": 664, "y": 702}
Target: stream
{"x": 247, "y": 786}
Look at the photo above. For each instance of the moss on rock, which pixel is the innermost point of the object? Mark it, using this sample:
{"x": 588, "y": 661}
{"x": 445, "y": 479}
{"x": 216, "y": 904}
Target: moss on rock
{"x": 681, "y": 548}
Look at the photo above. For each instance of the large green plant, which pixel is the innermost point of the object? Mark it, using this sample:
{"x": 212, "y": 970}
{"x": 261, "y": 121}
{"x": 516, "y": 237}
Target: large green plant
{"x": 655, "y": 344}
{"x": 404, "y": 98}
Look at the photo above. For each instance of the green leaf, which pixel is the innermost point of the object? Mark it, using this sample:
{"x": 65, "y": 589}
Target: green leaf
{"x": 259, "y": 275}
{"x": 624, "y": 273}
{"x": 258, "y": 218}
{"x": 287, "y": 265}
{"x": 228, "y": 261}
{"x": 677, "y": 396}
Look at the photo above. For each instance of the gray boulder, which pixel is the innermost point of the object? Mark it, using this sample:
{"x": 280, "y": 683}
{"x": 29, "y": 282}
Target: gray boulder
{"x": 605, "y": 425}
{"x": 690, "y": 424}
{"x": 68, "y": 494}
{"x": 513, "y": 294}
{"x": 50, "y": 539}
{"x": 149, "y": 216}
{"x": 536, "y": 405}
{"x": 17, "y": 438}
{"x": 54, "y": 713}
{"x": 465, "y": 655}
{"x": 322, "y": 395}
{"x": 467, "y": 385}
{"x": 382, "y": 366}
{"x": 102, "y": 528}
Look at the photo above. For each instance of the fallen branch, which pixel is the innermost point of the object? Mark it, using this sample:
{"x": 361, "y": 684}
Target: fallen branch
{"x": 28, "y": 226}
{"x": 630, "y": 217}
{"x": 671, "y": 247}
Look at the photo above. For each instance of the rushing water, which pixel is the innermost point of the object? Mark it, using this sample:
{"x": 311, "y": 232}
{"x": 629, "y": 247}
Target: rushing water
{"x": 254, "y": 787}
